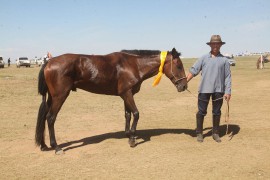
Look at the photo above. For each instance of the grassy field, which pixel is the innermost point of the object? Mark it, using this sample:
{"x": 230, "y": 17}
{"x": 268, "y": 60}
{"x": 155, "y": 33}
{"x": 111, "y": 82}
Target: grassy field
{"x": 90, "y": 128}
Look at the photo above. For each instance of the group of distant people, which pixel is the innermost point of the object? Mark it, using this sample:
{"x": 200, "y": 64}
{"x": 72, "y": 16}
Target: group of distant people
{"x": 47, "y": 57}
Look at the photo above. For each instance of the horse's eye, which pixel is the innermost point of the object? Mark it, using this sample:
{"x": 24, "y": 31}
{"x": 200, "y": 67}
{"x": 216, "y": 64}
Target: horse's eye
{"x": 178, "y": 65}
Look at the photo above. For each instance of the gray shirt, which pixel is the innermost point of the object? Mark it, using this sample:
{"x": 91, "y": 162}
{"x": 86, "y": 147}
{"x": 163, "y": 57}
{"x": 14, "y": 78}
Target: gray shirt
{"x": 216, "y": 74}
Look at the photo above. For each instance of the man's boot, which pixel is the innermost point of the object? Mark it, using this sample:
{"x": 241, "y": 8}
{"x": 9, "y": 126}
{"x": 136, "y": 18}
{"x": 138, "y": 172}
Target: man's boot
{"x": 216, "y": 121}
{"x": 199, "y": 129}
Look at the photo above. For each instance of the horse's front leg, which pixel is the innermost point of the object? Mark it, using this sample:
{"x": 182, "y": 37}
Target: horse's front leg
{"x": 132, "y": 138}
{"x": 128, "y": 118}
{"x": 130, "y": 104}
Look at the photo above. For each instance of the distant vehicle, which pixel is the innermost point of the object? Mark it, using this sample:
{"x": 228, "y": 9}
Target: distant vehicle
{"x": 33, "y": 61}
{"x": 23, "y": 61}
{"x": 2, "y": 63}
{"x": 40, "y": 61}
{"x": 231, "y": 60}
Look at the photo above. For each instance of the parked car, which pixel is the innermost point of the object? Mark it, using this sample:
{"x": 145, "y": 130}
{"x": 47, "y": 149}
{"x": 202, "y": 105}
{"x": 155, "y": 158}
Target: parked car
{"x": 33, "y": 61}
{"x": 231, "y": 60}
{"x": 2, "y": 63}
{"x": 23, "y": 61}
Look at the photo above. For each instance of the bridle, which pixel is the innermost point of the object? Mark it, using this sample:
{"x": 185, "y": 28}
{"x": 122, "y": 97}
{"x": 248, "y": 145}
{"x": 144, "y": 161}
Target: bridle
{"x": 175, "y": 78}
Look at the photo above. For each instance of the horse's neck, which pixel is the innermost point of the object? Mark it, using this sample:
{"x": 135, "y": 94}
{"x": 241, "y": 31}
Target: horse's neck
{"x": 148, "y": 67}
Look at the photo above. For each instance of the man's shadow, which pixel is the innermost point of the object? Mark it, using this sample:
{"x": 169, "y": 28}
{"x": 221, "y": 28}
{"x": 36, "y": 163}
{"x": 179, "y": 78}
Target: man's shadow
{"x": 231, "y": 130}
{"x": 145, "y": 135}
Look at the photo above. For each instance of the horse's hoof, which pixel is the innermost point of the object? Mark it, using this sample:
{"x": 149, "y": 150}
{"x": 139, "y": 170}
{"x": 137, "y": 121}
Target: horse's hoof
{"x": 59, "y": 151}
{"x": 44, "y": 148}
{"x": 132, "y": 142}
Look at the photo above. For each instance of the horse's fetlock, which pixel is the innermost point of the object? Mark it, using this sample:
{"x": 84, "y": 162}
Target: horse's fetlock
{"x": 132, "y": 132}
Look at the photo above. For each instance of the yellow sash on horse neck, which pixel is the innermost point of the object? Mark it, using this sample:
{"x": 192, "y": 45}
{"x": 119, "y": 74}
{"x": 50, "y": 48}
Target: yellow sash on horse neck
{"x": 163, "y": 55}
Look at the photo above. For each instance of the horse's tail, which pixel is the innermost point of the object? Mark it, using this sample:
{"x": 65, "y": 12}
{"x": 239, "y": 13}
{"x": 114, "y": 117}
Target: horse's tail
{"x": 42, "y": 86}
{"x": 41, "y": 119}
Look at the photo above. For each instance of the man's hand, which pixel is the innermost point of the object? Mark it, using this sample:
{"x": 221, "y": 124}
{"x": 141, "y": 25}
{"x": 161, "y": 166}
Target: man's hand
{"x": 189, "y": 77}
{"x": 227, "y": 97}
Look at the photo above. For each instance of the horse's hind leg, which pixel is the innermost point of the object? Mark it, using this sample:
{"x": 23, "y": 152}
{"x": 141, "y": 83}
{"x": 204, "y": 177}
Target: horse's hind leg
{"x": 128, "y": 118}
{"x": 57, "y": 102}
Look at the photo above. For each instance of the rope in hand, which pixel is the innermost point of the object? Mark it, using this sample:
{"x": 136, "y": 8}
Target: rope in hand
{"x": 227, "y": 114}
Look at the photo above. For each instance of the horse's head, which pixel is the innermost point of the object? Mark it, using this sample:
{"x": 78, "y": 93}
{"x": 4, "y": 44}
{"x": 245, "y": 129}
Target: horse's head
{"x": 174, "y": 70}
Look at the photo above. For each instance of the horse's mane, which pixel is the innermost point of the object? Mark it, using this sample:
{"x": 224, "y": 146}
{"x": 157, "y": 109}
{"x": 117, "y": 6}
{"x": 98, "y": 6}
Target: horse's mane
{"x": 142, "y": 52}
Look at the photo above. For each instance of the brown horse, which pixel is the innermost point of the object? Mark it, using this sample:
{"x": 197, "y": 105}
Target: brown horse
{"x": 120, "y": 74}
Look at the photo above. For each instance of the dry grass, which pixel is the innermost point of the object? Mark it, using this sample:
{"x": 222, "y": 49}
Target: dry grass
{"x": 90, "y": 129}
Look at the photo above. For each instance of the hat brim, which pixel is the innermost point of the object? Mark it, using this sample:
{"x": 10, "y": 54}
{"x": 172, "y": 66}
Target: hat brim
{"x": 208, "y": 43}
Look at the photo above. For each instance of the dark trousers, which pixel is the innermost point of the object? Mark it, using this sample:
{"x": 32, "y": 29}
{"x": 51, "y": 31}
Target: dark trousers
{"x": 203, "y": 101}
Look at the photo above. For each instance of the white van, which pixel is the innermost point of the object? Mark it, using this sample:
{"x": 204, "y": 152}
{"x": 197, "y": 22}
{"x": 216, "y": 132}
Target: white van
{"x": 23, "y": 61}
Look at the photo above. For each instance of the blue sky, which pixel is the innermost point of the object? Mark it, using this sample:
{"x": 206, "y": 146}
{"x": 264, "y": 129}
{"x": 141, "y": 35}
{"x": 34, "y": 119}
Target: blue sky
{"x": 33, "y": 27}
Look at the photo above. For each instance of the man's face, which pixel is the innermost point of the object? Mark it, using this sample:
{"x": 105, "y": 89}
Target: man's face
{"x": 215, "y": 47}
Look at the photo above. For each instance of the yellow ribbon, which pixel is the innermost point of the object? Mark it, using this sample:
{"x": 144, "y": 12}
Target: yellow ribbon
{"x": 163, "y": 55}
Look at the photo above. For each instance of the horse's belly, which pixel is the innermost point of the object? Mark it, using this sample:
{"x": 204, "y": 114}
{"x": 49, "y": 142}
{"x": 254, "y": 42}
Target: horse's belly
{"x": 108, "y": 89}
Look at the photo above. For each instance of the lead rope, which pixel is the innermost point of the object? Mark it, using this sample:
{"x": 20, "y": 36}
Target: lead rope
{"x": 227, "y": 117}
{"x": 227, "y": 114}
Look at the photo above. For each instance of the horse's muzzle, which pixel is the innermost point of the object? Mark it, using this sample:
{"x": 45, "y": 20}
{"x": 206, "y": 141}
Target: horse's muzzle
{"x": 181, "y": 87}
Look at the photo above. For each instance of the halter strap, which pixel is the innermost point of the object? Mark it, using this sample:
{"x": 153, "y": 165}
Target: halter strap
{"x": 175, "y": 79}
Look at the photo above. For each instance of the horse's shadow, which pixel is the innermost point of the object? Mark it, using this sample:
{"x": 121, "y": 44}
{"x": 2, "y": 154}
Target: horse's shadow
{"x": 146, "y": 135}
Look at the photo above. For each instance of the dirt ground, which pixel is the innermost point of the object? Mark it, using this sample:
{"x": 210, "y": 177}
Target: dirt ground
{"x": 90, "y": 128}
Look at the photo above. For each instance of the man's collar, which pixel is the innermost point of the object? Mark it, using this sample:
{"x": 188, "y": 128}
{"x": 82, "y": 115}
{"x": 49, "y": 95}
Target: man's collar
{"x": 210, "y": 54}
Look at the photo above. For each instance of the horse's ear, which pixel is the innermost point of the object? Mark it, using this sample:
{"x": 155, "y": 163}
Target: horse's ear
{"x": 175, "y": 54}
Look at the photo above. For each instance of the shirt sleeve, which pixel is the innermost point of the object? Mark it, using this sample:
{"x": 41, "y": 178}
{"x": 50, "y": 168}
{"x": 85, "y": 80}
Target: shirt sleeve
{"x": 228, "y": 78}
{"x": 197, "y": 67}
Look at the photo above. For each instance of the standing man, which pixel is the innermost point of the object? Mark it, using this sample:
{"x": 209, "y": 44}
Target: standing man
{"x": 260, "y": 62}
{"x": 8, "y": 62}
{"x": 215, "y": 83}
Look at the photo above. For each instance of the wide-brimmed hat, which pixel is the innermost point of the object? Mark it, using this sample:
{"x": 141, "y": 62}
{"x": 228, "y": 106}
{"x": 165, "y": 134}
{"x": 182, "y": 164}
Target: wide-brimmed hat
{"x": 215, "y": 39}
